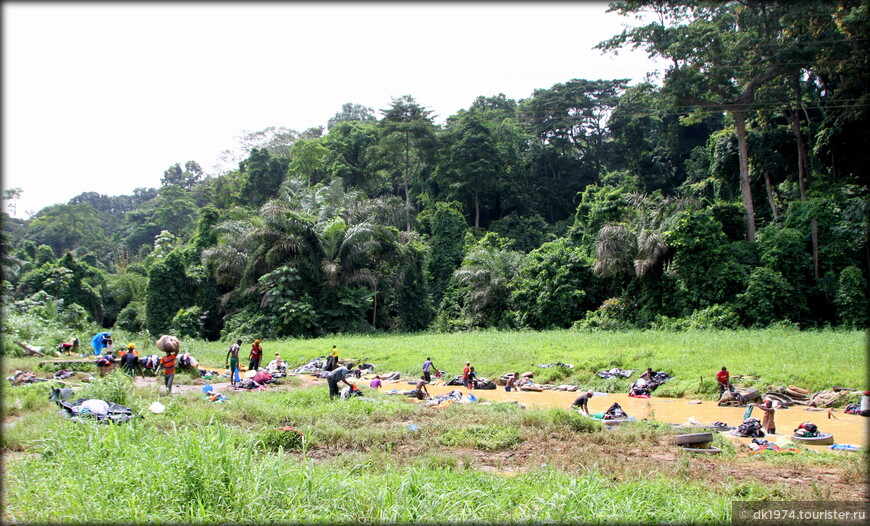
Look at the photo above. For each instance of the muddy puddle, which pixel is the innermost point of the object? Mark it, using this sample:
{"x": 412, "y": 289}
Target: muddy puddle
{"x": 847, "y": 429}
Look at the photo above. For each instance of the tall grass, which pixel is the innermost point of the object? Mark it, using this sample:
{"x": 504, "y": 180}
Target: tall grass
{"x": 135, "y": 474}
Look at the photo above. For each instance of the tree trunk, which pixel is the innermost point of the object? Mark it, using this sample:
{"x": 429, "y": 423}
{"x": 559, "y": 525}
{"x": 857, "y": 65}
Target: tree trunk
{"x": 770, "y": 195}
{"x": 745, "y": 189}
{"x": 375, "y": 310}
{"x": 803, "y": 180}
{"x": 476, "y": 212}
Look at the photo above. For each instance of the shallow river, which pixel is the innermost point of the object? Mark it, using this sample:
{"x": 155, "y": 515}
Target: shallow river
{"x": 847, "y": 429}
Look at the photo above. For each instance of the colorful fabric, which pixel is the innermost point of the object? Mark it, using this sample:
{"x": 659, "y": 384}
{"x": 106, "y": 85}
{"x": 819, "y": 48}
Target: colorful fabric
{"x": 168, "y": 363}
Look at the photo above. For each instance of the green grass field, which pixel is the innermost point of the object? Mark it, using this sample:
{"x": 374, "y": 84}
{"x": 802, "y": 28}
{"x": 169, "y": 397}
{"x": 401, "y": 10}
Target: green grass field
{"x": 214, "y": 463}
{"x": 814, "y": 360}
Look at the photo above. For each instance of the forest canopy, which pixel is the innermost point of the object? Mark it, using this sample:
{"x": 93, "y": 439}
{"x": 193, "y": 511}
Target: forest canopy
{"x": 731, "y": 193}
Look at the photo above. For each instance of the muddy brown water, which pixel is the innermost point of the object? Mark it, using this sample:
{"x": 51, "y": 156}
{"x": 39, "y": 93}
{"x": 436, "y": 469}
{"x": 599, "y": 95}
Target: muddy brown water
{"x": 847, "y": 429}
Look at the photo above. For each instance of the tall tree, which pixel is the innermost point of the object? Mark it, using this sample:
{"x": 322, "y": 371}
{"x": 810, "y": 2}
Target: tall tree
{"x": 720, "y": 55}
{"x": 408, "y": 140}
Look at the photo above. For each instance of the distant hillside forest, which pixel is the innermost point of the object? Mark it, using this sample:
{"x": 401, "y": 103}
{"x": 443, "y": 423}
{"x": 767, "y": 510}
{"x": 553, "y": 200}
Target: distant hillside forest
{"x": 730, "y": 191}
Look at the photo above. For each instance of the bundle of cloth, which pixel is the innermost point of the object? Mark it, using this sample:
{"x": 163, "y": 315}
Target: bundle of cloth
{"x": 807, "y": 430}
{"x": 186, "y": 360}
{"x": 751, "y": 427}
{"x": 615, "y": 412}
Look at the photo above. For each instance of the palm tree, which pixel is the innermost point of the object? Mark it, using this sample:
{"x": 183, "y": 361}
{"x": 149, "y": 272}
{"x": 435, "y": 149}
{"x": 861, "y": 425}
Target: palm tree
{"x": 486, "y": 273}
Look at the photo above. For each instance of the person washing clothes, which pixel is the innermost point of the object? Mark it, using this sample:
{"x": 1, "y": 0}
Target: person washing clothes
{"x": 767, "y": 423}
{"x": 338, "y": 375}
{"x": 511, "y": 381}
{"x": 723, "y": 379}
{"x": 582, "y": 402}
{"x": 376, "y": 383}
{"x": 426, "y": 366}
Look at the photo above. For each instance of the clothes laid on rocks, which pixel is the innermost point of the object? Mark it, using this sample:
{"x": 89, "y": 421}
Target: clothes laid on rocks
{"x": 186, "y": 360}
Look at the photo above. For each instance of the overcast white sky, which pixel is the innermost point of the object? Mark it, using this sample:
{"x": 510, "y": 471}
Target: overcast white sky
{"x": 104, "y": 97}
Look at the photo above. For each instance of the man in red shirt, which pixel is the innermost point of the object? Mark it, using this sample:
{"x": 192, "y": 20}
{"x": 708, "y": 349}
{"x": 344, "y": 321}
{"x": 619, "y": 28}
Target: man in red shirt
{"x": 465, "y": 376}
{"x": 723, "y": 379}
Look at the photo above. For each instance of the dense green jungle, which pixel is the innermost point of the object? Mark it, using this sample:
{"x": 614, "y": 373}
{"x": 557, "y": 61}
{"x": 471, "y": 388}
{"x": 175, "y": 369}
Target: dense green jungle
{"x": 727, "y": 191}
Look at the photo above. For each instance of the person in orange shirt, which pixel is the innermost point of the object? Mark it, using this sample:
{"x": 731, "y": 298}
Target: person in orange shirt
{"x": 167, "y": 363}
{"x": 465, "y": 375}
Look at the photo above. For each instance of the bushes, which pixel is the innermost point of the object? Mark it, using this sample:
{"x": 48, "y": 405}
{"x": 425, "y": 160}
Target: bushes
{"x": 285, "y": 438}
{"x": 115, "y": 387}
{"x": 489, "y": 438}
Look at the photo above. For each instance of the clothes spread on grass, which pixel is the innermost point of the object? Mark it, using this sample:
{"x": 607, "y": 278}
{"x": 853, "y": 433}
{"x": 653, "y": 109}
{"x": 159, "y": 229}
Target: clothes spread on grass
{"x": 556, "y": 364}
{"x": 751, "y": 427}
{"x": 60, "y": 394}
{"x": 445, "y": 400}
{"x": 616, "y": 372}
{"x": 314, "y": 366}
{"x": 63, "y": 374}
{"x": 24, "y": 377}
{"x": 615, "y": 412}
{"x": 100, "y": 410}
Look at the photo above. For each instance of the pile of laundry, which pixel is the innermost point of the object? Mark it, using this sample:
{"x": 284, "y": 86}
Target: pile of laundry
{"x": 95, "y": 409}
{"x": 208, "y": 375}
{"x": 186, "y": 360}
{"x": 25, "y": 377}
{"x": 556, "y": 364}
{"x": 256, "y": 383}
{"x": 213, "y": 396}
{"x": 616, "y": 372}
{"x": 751, "y": 427}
